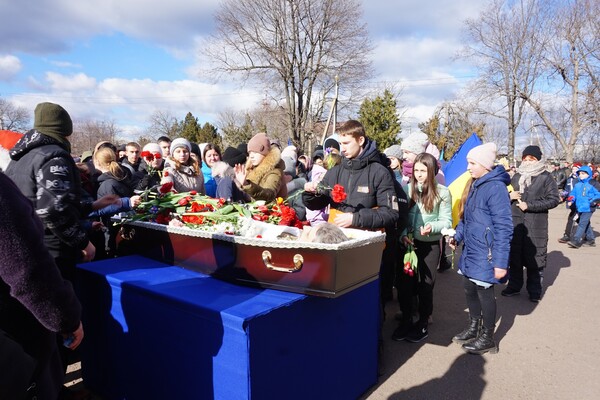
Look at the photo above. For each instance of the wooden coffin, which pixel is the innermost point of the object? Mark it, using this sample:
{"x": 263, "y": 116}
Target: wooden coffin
{"x": 328, "y": 270}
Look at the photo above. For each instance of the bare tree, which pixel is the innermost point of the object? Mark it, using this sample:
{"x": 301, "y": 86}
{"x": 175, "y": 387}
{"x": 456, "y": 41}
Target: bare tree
{"x": 86, "y": 134}
{"x": 14, "y": 118}
{"x": 299, "y": 46}
{"x": 163, "y": 123}
{"x": 507, "y": 40}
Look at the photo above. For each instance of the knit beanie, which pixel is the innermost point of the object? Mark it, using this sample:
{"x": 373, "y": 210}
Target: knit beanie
{"x": 415, "y": 143}
{"x": 484, "y": 154}
{"x": 52, "y": 120}
{"x": 180, "y": 142}
{"x": 153, "y": 148}
{"x": 259, "y": 144}
{"x": 291, "y": 152}
{"x": 394, "y": 151}
{"x": 533, "y": 150}
{"x": 331, "y": 142}
{"x": 233, "y": 156}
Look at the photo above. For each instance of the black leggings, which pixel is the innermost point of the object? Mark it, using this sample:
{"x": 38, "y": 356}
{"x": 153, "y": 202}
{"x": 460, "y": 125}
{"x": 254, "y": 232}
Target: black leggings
{"x": 481, "y": 302}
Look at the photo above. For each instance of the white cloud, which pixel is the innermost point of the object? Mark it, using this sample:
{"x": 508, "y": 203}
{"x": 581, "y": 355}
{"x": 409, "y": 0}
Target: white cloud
{"x": 9, "y": 67}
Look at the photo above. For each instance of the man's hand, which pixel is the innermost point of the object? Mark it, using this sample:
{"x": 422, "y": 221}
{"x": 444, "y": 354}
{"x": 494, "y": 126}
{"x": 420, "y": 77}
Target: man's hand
{"x": 88, "y": 253}
{"x": 343, "y": 220}
{"x": 77, "y": 337}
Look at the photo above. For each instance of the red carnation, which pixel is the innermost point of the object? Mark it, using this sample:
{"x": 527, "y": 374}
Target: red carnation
{"x": 338, "y": 194}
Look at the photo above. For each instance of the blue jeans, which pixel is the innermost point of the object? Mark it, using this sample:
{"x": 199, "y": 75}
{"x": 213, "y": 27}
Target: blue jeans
{"x": 584, "y": 228}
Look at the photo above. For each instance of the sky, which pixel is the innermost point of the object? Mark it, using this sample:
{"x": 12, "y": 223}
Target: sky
{"x": 120, "y": 60}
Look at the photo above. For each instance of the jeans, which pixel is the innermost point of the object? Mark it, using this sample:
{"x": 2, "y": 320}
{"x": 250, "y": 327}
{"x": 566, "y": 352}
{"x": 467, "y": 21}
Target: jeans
{"x": 584, "y": 227}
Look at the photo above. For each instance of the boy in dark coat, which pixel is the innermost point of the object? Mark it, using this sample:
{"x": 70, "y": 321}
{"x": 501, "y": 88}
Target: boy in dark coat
{"x": 535, "y": 192}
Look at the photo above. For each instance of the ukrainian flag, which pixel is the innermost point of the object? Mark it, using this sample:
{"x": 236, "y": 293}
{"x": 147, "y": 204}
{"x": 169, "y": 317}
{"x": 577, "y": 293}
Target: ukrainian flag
{"x": 456, "y": 174}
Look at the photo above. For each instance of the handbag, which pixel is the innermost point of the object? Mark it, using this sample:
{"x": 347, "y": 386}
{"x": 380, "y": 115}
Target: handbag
{"x": 18, "y": 369}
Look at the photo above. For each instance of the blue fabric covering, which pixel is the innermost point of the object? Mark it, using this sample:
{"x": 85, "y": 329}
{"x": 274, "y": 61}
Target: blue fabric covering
{"x": 210, "y": 185}
{"x": 159, "y": 331}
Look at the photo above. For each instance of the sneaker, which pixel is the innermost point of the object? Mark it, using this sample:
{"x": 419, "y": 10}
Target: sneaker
{"x": 564, "y": 239}
{"x": 574, "y": 244}
{"x": 534, "y": 299}
{"x": 401, "y": 331}
{"x": 417, "y": 334}
{"x": 508, "y": 292}
{"x": 590, "y": 243}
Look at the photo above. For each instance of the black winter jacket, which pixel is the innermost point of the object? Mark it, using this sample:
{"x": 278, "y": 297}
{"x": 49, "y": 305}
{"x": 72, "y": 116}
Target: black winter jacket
{"x": 47, "y": 175}
{"x": 541, "y": 195}
{"x": 370, "y": 189}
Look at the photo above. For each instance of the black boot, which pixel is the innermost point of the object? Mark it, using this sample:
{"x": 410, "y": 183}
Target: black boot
{"x": 469, "y": 334}
{"x": 483, "y": 344}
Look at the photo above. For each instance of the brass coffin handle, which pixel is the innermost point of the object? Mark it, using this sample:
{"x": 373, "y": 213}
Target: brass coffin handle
{"x": 298, "y": 263}
{"x": 127, "y": 233}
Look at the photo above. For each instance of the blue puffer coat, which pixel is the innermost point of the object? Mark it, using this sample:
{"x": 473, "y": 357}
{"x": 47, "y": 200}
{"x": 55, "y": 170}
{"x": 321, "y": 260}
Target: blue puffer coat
{"x": 584, "y": 193}
{"x": 486, "y": 228}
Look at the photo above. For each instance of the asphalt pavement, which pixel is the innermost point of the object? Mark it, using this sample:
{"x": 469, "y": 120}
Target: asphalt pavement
{"x": 548, "y": 350}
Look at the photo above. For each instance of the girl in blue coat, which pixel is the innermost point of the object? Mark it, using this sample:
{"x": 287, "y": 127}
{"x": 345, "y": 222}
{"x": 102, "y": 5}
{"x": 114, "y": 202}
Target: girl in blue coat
{"x": 485, "y": 230}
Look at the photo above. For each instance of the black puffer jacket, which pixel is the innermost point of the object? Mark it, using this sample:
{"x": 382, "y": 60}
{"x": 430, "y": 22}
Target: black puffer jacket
{"x": 110, "y": 184}
{"x": 369, "y": 185}
{"x": 47, "y": 175}
{"x": 541, "y": 195}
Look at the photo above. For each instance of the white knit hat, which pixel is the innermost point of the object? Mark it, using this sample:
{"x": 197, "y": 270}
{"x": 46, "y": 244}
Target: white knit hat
{"x": 415, "y": 143}
{"x": 180, "y": 142}
{"x": 290, "y": 152}
{"x": 484, "y": 154}
{"x": 152, "y": 148}
{"x": 394, "y": 151}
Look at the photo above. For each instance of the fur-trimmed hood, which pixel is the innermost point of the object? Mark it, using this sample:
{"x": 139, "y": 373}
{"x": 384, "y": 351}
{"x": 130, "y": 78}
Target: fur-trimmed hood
{"x": 266, "y": 179}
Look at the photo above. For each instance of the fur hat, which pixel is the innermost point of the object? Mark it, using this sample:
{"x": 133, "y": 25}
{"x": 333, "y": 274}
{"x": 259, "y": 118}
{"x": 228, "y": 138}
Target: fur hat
{"x": 233, "y": 156}
{"x": 152, "y": 148}
{"x": 290, "y": 152}
{"x": 180, "y": 142}
{"x": 52, "y": 120}
{"x": 533, "y": 150}
{"x": 259, "y": 144}
{"x": 394, "y": 151}
{"x": 415, "y": 143}
{"x": 484, "y": 154}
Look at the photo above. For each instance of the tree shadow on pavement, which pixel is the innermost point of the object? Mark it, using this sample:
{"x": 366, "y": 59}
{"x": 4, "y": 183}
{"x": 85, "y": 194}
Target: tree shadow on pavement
{"x": 511, "y": 307}
{"x": 463, "y": 380}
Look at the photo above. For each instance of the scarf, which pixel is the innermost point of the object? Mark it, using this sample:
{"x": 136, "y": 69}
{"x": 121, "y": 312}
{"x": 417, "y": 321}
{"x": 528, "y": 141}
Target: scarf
{"x": 529, "y": 169}
{"x": 407, "y": 169}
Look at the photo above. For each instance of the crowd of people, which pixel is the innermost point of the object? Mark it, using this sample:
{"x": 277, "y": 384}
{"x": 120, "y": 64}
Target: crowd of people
{"x": 48, "y": 196}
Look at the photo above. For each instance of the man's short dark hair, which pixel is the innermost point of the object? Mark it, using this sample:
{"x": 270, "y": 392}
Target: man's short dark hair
{"x": 163, "y": 139}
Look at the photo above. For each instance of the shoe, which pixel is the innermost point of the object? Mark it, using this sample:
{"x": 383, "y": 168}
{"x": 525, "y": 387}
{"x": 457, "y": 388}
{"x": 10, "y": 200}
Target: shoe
{"x": 574, "y": 244}
{"x": 470, "y": 333}
{"x": 590, "y": 243}
{"x": 508, "y": 292}
{"x": 402, "y": 331}
{"x": 564, "y": 239}
{"x": 535, "y": 299}
{"x": 417, "y": 334}
{"x": 483, "y": 344}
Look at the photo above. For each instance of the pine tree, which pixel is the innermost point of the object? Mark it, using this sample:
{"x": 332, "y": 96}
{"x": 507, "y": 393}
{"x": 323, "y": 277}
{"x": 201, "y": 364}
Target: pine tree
{"x": 379, "y": 116}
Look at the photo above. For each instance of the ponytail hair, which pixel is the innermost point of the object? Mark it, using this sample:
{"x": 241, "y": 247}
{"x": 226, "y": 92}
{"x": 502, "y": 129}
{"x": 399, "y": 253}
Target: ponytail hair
{"x": 105, "y": 157}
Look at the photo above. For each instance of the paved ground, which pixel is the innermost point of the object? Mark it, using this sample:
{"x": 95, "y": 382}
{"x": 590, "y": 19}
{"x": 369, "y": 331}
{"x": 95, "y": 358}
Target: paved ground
{"x": 549, "y": 350}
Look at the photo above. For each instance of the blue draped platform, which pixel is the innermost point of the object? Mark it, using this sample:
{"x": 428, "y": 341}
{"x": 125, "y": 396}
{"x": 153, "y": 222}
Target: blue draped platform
{"x": 155, "y": 331}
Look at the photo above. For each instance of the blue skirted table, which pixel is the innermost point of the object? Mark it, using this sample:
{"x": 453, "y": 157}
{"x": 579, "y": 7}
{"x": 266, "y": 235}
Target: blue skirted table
{"x": 156, "y": 331}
